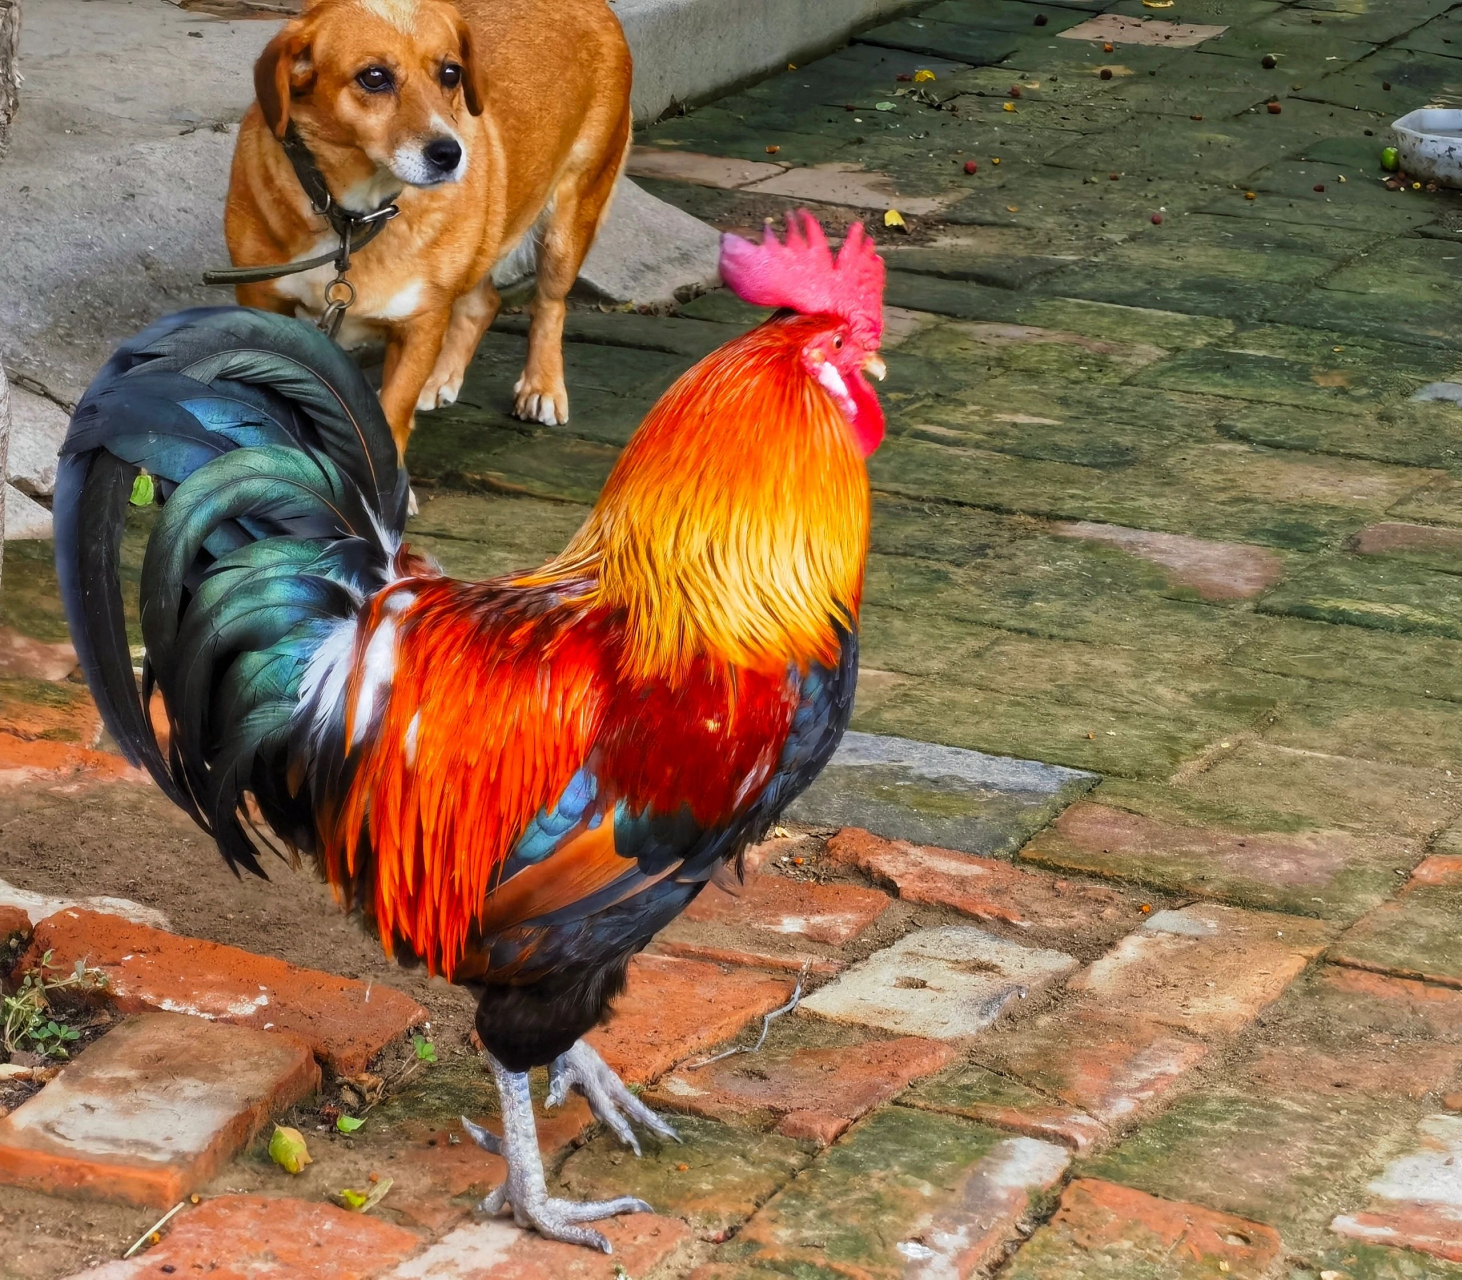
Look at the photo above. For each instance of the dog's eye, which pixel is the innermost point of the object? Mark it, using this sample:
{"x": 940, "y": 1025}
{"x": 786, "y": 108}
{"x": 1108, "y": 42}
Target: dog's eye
{"x": 451, "y": 75}
{"x": 374, "y": 80}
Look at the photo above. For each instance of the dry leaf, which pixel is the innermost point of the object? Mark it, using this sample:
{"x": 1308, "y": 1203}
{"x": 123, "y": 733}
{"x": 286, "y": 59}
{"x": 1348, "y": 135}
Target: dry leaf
{"x": 921, "y": 76}
{"x": 893, "y": 218}
{"x": 287, "y": 1149}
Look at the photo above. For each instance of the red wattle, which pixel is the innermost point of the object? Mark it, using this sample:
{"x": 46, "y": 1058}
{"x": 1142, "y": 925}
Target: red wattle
{"x": 867, "y": 421}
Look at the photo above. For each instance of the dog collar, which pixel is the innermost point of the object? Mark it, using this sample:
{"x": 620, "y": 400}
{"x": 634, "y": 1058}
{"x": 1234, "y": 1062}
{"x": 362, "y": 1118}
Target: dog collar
{"x": 356, "y": 230}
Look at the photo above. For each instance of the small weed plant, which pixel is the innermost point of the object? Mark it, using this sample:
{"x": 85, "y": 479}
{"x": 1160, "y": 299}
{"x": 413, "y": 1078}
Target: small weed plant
{"x": 30, "y": 1023}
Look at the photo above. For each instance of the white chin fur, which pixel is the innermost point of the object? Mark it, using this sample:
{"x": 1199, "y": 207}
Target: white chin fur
{"x": 832, "y": 380}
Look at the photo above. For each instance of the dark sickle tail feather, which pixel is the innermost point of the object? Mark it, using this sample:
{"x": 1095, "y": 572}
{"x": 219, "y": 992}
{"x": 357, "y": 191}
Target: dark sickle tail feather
{"x": 282, "y": 502}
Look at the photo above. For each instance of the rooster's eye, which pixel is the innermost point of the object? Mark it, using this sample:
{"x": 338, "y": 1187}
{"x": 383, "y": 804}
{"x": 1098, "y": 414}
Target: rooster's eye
{"x": 838, "y": 343}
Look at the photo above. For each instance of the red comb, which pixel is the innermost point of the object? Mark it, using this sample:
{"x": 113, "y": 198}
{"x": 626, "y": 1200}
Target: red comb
{"x": 802, "y": 274}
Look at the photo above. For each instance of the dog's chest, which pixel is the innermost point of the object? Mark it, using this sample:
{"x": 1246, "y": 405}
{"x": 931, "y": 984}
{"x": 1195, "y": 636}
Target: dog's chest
{"x": 380, "y": 298}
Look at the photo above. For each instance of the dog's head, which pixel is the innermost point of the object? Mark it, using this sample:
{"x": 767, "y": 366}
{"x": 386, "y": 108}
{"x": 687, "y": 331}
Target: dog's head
{"x": 388, "y": 78}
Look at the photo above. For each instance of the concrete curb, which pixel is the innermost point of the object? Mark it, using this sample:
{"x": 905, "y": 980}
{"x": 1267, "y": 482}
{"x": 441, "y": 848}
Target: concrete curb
{"x": 689, "y": 50}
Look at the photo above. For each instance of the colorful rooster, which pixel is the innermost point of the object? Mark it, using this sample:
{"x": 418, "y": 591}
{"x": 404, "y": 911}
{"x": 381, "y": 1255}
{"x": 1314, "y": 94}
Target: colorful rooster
{"x": 517, "y": 781}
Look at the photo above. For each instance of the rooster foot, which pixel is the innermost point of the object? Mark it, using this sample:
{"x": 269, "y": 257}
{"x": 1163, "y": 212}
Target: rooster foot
{"x": 525, "y": 1191}
{"x": 610, "y": 1100}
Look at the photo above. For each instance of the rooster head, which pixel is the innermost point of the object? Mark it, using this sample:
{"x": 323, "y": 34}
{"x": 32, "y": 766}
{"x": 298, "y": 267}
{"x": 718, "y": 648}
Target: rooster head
{"x": 842, "y": 297}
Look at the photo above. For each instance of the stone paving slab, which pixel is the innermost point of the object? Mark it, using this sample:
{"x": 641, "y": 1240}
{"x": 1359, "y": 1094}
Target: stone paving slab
{"x": 936, "y": 795}
{"x": 153, "y": 1110}
{"x": 903, "y": 1189}
{"x": 346, "y": 1023}
{"x": 944, "y": 984}
{"x": 715, "y": 1178}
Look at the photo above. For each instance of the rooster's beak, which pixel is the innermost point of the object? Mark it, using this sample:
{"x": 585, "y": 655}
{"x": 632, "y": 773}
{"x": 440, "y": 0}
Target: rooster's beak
{"x": 874, "y": 365}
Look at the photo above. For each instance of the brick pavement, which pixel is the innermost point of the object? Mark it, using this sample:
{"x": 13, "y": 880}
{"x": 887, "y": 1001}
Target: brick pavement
{"x": 1170, "y": 496}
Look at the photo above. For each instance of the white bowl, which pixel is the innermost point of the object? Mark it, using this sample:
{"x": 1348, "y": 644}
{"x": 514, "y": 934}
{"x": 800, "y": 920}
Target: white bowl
{"x": 1429, "y": 142}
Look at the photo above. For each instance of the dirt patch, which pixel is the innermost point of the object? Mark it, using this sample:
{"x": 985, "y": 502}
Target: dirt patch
{"x": 126, "y": 840}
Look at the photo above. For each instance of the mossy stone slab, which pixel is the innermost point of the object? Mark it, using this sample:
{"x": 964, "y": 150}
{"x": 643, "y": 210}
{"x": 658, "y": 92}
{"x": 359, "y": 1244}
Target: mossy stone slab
{"x": 1374, "y": 592}
{"x": 1258, "y": 786}
{"x": 1416, "y": 936}
{"x": 1413, "y": 82}
{"x": 717, "y": 1176}
{"x": 1425, "y": 434}
{"x": 1285, "y": 192}
{"x": 979, "y": 46}
{"x": 1268, "y": 368}
{"x": 931, "y": 794}
{"x": 1005, "y": 15}
{"x": 1371, "y": 724}
{"x": 865, "y": 1195}
{"x": 1421, "y": 666}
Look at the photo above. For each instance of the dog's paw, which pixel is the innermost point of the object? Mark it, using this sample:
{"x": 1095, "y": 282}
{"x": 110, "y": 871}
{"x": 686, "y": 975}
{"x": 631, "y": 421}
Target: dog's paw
{"x": 412, "y": 507}
{"x": 551, "y": 408}
{"x": 440, "y": 391}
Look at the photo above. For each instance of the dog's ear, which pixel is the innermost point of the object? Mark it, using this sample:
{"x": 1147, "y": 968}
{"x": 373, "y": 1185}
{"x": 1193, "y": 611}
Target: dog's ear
{"x": 474, "y": 77}
{"x": 274, "y": 76}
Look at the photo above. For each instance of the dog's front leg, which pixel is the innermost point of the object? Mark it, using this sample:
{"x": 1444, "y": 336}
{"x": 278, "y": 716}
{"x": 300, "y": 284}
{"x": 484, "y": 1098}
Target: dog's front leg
{"x": 540, "y": 394}
{"x": 411, "y": 353}
{"x": 472, "y": 314}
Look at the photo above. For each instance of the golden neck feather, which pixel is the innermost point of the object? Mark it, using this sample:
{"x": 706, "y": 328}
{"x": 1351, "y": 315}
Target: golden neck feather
{"x": 735, "y": 524}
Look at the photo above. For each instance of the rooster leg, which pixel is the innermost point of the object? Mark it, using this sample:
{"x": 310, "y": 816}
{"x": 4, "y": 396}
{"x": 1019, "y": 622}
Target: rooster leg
{"x": 610, "y": 1100}
{"x": 525, "y": 1189}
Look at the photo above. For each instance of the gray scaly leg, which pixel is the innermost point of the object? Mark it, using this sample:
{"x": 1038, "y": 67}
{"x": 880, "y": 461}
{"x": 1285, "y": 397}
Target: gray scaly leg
{"x": 525, "y": 1189}
{"x": 610, "y": 1100}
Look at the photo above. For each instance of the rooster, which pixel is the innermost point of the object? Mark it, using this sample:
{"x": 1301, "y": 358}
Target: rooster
{"x": 517, "y": 782}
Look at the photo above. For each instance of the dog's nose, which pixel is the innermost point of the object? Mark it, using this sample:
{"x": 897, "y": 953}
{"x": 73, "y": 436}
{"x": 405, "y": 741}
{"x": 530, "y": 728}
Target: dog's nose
{"x": 443, "y": 153}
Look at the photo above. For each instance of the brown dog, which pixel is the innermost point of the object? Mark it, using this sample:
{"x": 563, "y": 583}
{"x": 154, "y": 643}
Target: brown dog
{"x": 498, "y": 127}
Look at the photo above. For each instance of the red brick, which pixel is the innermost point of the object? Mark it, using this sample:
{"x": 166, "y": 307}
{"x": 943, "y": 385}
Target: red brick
{"x": 795, "y": 963}
{"x": 13, "y": 920}
{"x": 973, "y": 1229}
{"x": 831, "y": 913}
{"x": 1071, "y": 1128}
{"x": 821, "y": 1127}
{"x": 1439, "y": 869}
{"x": 1426, "y": 1228}
{"x": 33, "y": 659}
{"x": 497, "y": 1250}
{"x": 26, "y": 762}
{"x": 345, "y": 1022}
{"x": 1208, "y": 969}
{"x": 1418, "y": 1197}
{"x": 1215, "y": 570}
{"x": 235, "y": 1237}
{"x": 673, "y": 1009}
{"x": 153, "y": 1109}
{"x": 1391, "y": 536}
{"x": 1111, "y": 1065}
{"x": 985, "y": 888}
{"x": 806, "y": 1089}
{"x": 1130, "y": 1232}
{"x": 1419, "y": 1006}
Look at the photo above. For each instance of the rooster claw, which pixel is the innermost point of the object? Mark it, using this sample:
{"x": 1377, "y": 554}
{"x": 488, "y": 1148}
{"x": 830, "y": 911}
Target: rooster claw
{"x": 524, "y": 1190}
{"x": 611, "y": 1101}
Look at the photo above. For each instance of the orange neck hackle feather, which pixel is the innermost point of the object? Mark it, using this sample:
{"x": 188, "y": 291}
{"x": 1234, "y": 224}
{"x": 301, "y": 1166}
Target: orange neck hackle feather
{"x": 736, "y": 522}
